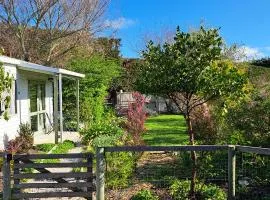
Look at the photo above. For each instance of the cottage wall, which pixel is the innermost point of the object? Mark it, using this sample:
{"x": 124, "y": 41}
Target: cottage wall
{"x": 8, "y": 129}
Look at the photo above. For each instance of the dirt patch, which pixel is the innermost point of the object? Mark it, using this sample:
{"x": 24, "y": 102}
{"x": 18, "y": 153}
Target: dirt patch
{"x": 126, "y": 194}
{"x": 149, "y": 173}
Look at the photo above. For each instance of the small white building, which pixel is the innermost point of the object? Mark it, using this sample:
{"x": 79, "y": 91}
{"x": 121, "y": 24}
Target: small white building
{"x": 36, "y": 98}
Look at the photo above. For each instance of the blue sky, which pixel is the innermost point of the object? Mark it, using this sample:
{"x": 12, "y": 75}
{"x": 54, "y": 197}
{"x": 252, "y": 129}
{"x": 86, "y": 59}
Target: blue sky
{"x": 245, "y": 22}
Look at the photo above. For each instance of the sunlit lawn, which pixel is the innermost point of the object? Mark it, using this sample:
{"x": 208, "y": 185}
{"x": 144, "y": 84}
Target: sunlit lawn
{"x": 166, "y": 130}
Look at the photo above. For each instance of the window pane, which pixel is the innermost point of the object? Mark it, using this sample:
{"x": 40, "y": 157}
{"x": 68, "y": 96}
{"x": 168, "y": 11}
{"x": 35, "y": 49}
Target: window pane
{"x": 42, "y": 119}
{"x": 34, "y": 123}
{"x": 33, "y": 92}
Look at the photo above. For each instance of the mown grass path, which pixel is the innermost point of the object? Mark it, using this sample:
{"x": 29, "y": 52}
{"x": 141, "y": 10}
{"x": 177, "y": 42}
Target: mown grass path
{"x": 166, "y": 130}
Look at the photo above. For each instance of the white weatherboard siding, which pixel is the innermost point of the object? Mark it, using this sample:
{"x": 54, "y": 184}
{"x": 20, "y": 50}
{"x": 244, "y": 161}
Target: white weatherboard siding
{"x": 8, "y": 129}
{"x": 24, "y": 72}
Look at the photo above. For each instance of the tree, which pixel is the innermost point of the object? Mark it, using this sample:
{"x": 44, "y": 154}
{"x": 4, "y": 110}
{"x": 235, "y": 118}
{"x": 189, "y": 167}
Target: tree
{"x": 99, "y": 74}
{"x": 45, "y": 30}
{"x": 190, "y": 72}
{"x": 263, "y": 62}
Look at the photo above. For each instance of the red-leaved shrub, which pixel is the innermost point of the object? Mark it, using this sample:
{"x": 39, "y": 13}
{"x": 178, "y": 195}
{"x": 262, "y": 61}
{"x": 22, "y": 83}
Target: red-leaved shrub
{"x": 136, "y": 117}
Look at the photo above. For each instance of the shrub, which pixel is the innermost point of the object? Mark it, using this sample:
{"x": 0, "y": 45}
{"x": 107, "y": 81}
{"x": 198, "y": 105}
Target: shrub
{"x": 100, "y": 129}
{"x": 45, "y": 147}
{"x": 204, "y": 125}
{"x": 23, "y": 142}
{"x": 179, "y": 190}
{"x": 107, "y": 140}
{"x": 144, "y": 195}
{"x": 120, "y": 168}
{"x": 136, "y": 117}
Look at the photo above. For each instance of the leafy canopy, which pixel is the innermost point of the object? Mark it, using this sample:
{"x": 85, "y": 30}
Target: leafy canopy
{"x": 189, "y": 70}
{"x": 99, "y": 75}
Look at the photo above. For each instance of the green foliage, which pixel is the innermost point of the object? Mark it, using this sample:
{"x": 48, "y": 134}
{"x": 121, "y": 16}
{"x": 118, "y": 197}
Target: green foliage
{"x": 107, "y": 140}
{"x": 99, "y": 75}
{"x": 249, "y": 121}
{"x": 100, "y": 129}
{"x": 179, "y": 190}
{"x": 64, "y": 147}
{"x": 5, "y": 87}
{"x": 144, "y": 195}
{"x": 45, "y": 147}
{"x": 244, "y": 192}
{"x": 210, "y": 165}
{"x": 120, "y": 169}
{"x": 189, "y": 65}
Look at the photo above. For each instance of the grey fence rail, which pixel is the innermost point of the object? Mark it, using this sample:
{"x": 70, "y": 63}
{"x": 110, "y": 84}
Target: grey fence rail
{"x": 22, "y": 171}
{"x": 16, "y": 170}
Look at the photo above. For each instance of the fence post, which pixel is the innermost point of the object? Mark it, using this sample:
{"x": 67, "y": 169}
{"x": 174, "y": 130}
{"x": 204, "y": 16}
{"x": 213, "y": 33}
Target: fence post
{"x": 100, "y": 174}
{"x": 231, "y": 171}
{"x": 90, "y": 170}
{"x": 7, "y": 157}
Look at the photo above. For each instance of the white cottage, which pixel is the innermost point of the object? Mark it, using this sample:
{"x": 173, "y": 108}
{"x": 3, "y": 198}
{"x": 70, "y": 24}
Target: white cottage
{"x": 36, "y": 98}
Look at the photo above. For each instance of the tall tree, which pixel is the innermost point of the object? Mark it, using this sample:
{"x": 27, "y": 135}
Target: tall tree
{"x": 50, "y": 27}
{"x": 190, "y": 72}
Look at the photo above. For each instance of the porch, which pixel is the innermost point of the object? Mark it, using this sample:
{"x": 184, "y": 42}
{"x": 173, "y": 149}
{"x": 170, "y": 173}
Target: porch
{"x": 37, "y": 99}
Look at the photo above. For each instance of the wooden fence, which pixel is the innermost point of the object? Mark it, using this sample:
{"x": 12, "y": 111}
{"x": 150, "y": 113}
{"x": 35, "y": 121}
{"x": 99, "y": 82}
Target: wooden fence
{"x": 231, "y": 149}
{"x": 27, "y": 169}
{"x": 16, "y": 170}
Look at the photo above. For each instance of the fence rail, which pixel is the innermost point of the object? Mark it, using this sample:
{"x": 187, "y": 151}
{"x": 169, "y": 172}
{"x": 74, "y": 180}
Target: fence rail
{"x": 29, "y": 168}
{"x": 84, "y": 188}
{"x": 231, "y": 160}
{"x": 257, "y": 150}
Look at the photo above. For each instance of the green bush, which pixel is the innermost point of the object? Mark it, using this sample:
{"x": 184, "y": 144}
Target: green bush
{"x": 120, "y": 168}
{"x": 64, "y": 147}
{"x": 144, "y": 195}
{"x": 179, "y": 190}
{"x": 106, "y": 140}
{"x": 45, "y": 147}
{"x": 100, "y": 129}
{"x": 93, "y": 88}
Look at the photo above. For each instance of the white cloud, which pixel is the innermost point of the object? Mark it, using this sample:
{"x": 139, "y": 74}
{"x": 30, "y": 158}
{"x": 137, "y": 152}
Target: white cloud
{"x": 119, "y": 23}
{"x": 251, "y": 53}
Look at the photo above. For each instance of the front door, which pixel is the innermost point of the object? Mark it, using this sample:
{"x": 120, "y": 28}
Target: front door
{"x": 37, "y": 105}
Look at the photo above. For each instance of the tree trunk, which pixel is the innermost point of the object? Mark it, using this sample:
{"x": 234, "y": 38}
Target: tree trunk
{"x": 194, "y": 159}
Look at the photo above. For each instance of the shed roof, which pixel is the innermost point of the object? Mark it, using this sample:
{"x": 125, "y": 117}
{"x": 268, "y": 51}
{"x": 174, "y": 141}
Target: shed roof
{"x": 28, "y": 66}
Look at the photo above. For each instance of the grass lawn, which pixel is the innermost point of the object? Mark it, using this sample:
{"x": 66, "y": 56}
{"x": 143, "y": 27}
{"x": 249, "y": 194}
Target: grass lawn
{"x": 166, "y": 130}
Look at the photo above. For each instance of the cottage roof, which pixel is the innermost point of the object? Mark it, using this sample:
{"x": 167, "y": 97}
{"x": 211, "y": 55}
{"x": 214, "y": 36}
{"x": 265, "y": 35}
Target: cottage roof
{"x": 28, "y": 66}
